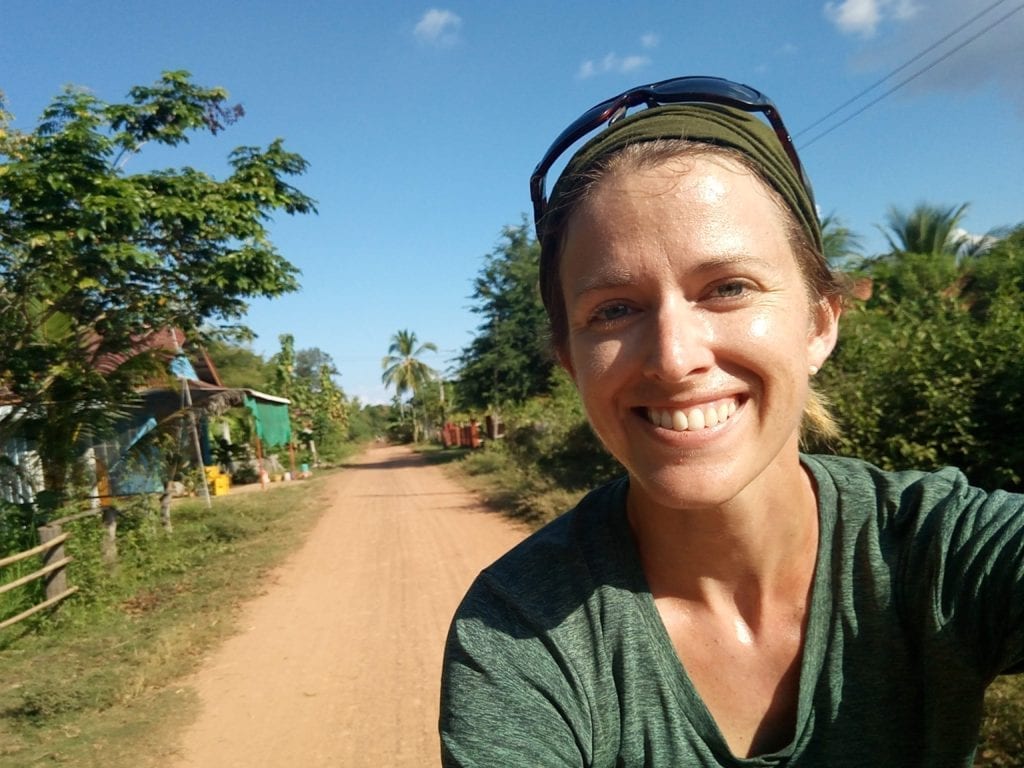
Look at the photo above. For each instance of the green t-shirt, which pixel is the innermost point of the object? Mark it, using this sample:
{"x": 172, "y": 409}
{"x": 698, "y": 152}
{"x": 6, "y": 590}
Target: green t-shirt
{"x": 558, "y": 657}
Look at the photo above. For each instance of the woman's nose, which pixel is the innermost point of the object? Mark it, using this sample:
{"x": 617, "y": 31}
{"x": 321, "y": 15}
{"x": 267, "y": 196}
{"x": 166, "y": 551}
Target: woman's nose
{"x": 678, "y": 343}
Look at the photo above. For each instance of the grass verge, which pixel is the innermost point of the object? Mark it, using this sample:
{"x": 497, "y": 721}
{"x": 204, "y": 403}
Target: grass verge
{"x": 507, "y": 487}
{"x": 92, "y": 684}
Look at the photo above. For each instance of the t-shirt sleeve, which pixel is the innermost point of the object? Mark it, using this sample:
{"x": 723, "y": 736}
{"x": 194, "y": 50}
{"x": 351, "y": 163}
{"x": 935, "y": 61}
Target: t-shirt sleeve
{"x": 971, "y": 546}
{"x": 508, "y": 696}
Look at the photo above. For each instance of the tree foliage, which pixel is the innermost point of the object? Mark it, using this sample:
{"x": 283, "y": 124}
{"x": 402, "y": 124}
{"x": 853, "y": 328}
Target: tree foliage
{"x": 407, "y": 373}
{"x": 319, "y": 409}
{"x": 508, "y": 361}
{"x": 403, "y": 368}
{"x": 240, "y": 366}
{"x": 841, "y": 244}
{"x": 926, "y": 229}
{"x": 928, "y": 371}
{"x": 93, "y": 258}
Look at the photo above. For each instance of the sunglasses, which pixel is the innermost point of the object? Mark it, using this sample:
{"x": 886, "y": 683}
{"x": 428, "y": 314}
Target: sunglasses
{"x": 678, "y": 90}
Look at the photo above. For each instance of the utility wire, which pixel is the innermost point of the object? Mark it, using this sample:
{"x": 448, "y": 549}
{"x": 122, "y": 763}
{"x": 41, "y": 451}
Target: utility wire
{"x": 914, "y": 76}
{"x": 898, "y": 69}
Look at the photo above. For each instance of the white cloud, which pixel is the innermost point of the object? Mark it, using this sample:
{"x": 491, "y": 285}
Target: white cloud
{"x": 438, "y": 27}
{"x": 613, "y": 63}
{"x": 975, "y": 242}
{"x": 991, "y": 58}
{"x": 905, "y": 9}
{"x": 863, "y": 17}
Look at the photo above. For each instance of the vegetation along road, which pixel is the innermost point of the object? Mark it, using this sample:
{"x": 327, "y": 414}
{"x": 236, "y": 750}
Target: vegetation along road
{"x": 338, "y": 662}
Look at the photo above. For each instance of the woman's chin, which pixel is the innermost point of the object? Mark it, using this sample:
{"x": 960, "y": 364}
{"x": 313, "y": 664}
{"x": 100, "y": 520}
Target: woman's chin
{"x": 683, "y": 488}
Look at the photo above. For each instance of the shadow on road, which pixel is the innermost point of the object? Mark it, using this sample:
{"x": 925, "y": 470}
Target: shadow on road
{"x": 410, "y": 460}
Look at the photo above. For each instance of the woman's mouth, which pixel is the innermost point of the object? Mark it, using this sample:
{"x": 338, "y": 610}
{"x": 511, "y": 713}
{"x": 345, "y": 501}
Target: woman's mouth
{"x": 694, "y": 418}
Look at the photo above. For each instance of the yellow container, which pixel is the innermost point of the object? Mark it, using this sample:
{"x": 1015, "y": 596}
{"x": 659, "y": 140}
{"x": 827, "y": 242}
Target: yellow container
{"x": 221, "y": 485}
{"x": 212, "y": 473}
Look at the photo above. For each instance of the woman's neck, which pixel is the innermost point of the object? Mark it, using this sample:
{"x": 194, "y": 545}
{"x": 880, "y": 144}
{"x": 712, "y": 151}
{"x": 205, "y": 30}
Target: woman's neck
{"x": 757, "y": 548}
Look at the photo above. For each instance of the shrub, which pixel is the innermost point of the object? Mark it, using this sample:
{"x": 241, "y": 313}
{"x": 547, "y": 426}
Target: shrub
{"x": 552, "y": 437}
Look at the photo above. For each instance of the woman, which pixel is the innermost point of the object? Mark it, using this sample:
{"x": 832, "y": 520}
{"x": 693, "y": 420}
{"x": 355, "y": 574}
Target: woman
{"x": 730, "y": 601}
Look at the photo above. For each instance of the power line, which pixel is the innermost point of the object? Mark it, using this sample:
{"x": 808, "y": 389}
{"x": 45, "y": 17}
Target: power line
{"x": 898, "y": 69}
{"x": 913, "y": 76}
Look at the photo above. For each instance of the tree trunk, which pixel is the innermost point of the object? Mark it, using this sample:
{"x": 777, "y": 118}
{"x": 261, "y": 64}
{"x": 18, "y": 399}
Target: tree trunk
{"x": 165, "y": 508}
{"x": 108, "y": 547}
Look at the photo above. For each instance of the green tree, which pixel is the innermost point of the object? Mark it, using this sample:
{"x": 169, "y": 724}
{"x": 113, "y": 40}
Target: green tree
{"x": 318, "y": 410}
{"x": 926, "y": 229}
{"x": 368, "y": 422}
{"x": 93, "y": 258}
{"x": 508, "y": 361}
{"x": 924, "y": 258}
{"x": 404, "y": 370}
{"x": 434, "y": 402}
{"x": 842, "y": 245}
{"x": 928, "y": 373}
{"x": 240, "y": 366}
{"x": 308, "y": 363}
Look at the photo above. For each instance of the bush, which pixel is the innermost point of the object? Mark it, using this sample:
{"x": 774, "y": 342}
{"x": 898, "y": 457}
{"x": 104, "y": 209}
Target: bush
{"x": 931, "y": 382}
{"x": 17, "y": 528}
{"x": 552, "y": 437}
{"x": 244, "y": 473}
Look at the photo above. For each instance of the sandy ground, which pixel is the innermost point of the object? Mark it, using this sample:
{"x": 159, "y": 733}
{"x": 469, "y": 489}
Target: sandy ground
{"x": 338, "y": 662}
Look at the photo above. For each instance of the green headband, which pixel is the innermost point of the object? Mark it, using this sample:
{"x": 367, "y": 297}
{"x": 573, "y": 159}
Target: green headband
{"x": 709, "y": 124}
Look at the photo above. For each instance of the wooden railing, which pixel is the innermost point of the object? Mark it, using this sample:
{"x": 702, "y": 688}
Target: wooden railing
{"x": 54, "y": 571}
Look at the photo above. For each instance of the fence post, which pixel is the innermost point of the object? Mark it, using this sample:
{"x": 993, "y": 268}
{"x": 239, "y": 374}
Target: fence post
{"x": 56, "y": 581}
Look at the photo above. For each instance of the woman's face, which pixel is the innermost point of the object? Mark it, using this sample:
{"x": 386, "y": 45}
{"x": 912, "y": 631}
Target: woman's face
{"x": 691, "y": 332}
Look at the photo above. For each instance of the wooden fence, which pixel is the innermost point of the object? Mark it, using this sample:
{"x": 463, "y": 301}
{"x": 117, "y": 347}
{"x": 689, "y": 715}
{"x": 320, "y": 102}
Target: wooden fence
{"x": 54, "y": 564}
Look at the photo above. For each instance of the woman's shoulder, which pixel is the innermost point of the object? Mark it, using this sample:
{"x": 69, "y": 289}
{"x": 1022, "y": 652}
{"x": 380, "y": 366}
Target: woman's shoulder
{"x": 562, "y": 563}
{"x": 855, "y": 487}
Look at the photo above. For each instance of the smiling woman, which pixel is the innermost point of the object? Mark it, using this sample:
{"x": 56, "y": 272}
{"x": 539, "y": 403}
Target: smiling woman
{"x": 683, "y": 298}
{"x": 731, "y": 600}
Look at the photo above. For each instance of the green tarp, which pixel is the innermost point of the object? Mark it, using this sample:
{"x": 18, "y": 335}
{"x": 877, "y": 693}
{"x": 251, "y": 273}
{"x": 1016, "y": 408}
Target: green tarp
{"x": 273, "y": 427}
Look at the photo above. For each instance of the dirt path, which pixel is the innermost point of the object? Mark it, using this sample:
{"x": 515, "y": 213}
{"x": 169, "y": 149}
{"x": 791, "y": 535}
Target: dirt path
{"x": 338, "y": 663}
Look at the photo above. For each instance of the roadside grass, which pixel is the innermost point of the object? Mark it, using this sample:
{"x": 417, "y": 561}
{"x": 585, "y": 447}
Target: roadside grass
{"x": 508, "y": 487}
{"x": 437, "y": 454}
{"x": 92, "y": 683}
{"x": 526, "y": 497}
{"x": 1002, "y": 741}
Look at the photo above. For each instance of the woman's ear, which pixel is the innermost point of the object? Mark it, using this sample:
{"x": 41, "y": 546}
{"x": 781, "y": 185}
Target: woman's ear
{"x": 825, "y": 330}
{"x": 564, "y": 360}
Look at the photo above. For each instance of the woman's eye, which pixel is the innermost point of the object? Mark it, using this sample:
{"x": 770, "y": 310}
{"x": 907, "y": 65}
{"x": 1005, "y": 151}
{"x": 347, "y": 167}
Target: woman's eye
{"x": 610, "y": 312}
{"x": 730, "y": 290}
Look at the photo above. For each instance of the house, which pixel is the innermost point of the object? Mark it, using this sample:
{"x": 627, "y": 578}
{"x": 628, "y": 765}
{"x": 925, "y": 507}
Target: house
{"x": 123, "y": 464}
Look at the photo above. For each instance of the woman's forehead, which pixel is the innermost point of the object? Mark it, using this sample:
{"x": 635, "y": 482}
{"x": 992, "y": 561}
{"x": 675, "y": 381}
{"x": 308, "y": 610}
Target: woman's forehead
{"x": 678, "y": 193}
{"x": 699, "y": 215}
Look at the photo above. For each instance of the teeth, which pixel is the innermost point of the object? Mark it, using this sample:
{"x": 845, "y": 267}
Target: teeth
{"x": 679, "y": 422}
{"x": 696, "y": 418}
{"x": 724, "y": 412}
{"x": 692, "y": 419}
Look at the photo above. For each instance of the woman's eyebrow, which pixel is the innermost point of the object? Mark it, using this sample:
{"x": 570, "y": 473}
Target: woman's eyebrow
{"x": 613, "y": 277}
{"x": 713, "y": 264}
{"x": 601, "y": 279}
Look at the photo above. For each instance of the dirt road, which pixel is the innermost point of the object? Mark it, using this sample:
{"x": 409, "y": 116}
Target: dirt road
{"x": 338, "y": 663}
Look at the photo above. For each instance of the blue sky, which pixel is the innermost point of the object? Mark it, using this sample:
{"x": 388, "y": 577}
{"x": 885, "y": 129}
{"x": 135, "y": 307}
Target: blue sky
{"x": 422, "y": 123}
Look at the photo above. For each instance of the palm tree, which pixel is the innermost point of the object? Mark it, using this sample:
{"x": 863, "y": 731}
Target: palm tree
{"x": 403, "y": 369}
{"x": 841, "y": 244}
{"x": 927, "y": 229}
